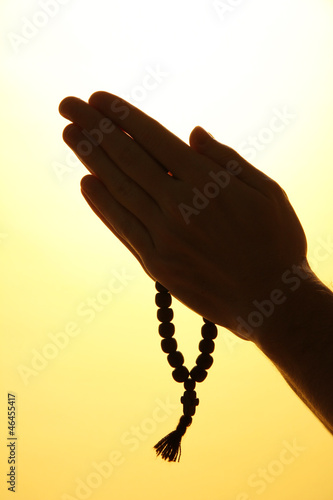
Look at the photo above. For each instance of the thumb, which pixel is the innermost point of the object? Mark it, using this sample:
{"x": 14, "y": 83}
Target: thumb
{"x": 205, "y": 144}
{"x": 199, "y": 138}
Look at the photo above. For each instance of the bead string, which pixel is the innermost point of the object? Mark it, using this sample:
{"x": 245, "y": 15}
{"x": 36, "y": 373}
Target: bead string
{"x": 169, "y": 447}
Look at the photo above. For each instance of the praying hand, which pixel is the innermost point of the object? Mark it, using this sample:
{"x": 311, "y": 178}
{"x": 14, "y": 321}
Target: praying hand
{"x": 218, "y": 233}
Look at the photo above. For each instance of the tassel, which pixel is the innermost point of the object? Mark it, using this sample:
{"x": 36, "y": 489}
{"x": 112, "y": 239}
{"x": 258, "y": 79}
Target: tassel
{"x": 169, "y": 447}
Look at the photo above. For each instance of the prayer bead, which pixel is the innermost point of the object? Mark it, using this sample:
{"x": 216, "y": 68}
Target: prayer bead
{"x": 189, "y": 384}
{"x": 163, "y": 299}
{"x": 180, "y": 374}
{"x": 161, "y": 288}
{"x": 166, "y": 330}
{"x": 206, "y": 346}
{"x": 189, "y": 410}
{"x": 169, "y": 447}
{"x": 204, "y": 361}
{"x": 169, "y": 345}
{"x": 209, "y": 331}
{"x": 198, "y": 374}
{"x": 164, "y": 315}
{"x": 175, "y": 359}
{"x": 188, "y": 397}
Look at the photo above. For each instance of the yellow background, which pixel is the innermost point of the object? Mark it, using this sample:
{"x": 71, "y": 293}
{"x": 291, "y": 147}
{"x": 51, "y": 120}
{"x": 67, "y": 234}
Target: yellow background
{"x": 226, "y": 66}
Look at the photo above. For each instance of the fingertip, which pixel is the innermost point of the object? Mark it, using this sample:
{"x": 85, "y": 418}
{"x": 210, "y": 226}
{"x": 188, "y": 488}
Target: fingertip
{"x": 199, "y": 137}
{"x": 65, "y": 105}
{"x": 88, "y": 182}
{"x": 97, "y": 96}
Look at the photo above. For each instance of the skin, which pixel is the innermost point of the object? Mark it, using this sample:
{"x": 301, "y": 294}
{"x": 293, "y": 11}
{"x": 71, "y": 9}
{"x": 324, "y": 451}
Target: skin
{"x": 202, "y": 263}
{"x": 223, "y": 256}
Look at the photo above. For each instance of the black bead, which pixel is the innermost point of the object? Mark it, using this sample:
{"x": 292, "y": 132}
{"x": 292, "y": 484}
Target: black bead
{"x": 175, "y": 359}
{"x": 198, "y": 374}
{"x": 166, "y": 330}
{"x": 169, "y": 345}
{"x": 206, "y": 345}
{"x": 204, "y": 361}
{"x": 188, "y": 397}
{"x": 189, "y": 410}
{"x": 189, "y": 384}
{"x": 163, "y": 299}
{"x": 160, "y": 288}
{"x": 180, "y": 374}
{"x": 164, "y": 315}
{"x": 209, "y": 331}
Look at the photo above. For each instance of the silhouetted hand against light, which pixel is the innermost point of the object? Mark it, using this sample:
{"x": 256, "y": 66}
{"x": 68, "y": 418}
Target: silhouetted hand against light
{"x": 217, "y": 232}
{"x": 214, "y": 230}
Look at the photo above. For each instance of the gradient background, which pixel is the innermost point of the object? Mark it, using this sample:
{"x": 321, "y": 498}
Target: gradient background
{"x": 226, "y": 71}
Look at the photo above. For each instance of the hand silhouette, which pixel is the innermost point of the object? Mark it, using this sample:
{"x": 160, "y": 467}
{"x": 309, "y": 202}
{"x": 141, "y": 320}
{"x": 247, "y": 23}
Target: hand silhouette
{"x": 213, "y": 229}
{"x": 200, "y": 219}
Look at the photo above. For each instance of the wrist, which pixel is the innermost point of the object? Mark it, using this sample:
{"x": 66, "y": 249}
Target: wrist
{"x": 303, "y": 316}
{"x": 298, "y": 339}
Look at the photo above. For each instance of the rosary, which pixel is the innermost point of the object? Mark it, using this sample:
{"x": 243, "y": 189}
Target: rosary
{"x": 169, "y": 447}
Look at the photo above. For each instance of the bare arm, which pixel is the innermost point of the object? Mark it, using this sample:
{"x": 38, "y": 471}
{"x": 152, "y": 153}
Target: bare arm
{"x": 299, "y": 341}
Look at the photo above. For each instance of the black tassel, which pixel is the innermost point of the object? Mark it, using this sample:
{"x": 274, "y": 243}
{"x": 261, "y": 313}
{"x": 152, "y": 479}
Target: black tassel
{"x": 169, "y": 447}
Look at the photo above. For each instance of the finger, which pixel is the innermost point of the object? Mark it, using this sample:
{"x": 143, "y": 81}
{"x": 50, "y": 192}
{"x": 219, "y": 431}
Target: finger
{"x": 121, "y": 187}
{"x": 169, "y": 150}
{"x": 98, "y": 130}
{"x": 112, "y": 229}
{"x": 161, "y": 144}
{"x": 123, "y": 224}
{"x": 227, "y": 157}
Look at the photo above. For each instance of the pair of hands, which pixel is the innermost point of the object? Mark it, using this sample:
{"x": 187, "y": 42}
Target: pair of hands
{"x": 200, "y": 219}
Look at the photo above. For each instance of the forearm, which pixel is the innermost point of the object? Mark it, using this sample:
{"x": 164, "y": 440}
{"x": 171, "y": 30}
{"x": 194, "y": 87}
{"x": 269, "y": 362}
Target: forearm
{"x": 299, "y": 342}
